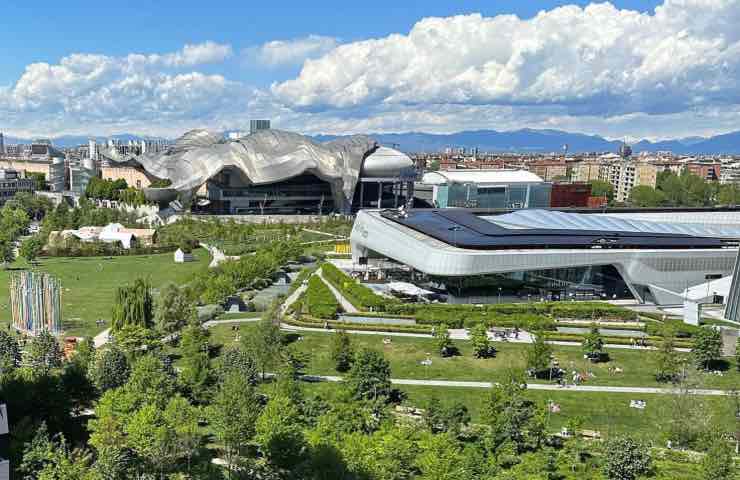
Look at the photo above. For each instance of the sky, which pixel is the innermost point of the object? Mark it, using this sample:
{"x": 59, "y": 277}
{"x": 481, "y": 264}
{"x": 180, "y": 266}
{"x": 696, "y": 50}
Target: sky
{"x": 625, "y": 69}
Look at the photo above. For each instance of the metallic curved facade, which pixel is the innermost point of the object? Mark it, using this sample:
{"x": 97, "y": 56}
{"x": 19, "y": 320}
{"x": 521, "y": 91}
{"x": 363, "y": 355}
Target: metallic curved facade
{"x": 267, "y": 156}
{"x": 665, "y": 272}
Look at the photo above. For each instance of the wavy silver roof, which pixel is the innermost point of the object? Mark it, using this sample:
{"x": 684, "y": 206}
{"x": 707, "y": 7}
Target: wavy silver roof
{"x": 267, "y": 156}
{"x": 534, "y": 218}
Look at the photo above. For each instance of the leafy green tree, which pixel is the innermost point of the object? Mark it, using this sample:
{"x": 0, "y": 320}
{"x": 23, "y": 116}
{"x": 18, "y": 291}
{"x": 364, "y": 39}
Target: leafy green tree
{"x": 707, "y": 347}
{"x": 187, "y": 436}
{"x": 151, "y": 380}
{"x": 600, "y": 188}
{"x": 174, "y": 309}
{"x": 279, "y": 435}
{"x": 46, "y": 458}
{"x": 7, "y": 254}
{"x": 514, "y": 418}
{"x": 135, "y": 340}
{"x": 668, "y": 361}
{"x": 237, "y": 361}
{"x": 110, "y": 369}
{"x": 370, "y": 375}
{"x": 10, "y": 353}
{"x": 31, "y": 248}
{"x": 232, "y": 415}
{"x": 593, "y": 344}
{"x": 718, "y": 462}
{"x": 148, "y": 434}
{"x": 729, "y": 194}
{"x": 44, "y": 353}
{"x": 538, "y": 354}
{"x": 482, "y": 346}
{"x": 196, "y": 366}
{"x": 626, "y": 459}
{"x": 342, "y": 352}
{"x": 442, "y": 339}
{"x": 440, "y": 458}
{"x": 443, "y": 418}
{"x": 264, "y": 345}
{"x": 645, "y": 196}
{"x": 133, "y": 306}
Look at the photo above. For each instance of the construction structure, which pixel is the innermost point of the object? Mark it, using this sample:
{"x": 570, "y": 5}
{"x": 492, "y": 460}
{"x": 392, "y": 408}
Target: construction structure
{"x": 35, "y": 302}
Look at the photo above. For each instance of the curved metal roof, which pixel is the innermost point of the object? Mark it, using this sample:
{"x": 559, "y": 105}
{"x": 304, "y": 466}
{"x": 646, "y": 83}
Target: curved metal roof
{"x": 549, "y": 219}
{"x": 480, "y": 177}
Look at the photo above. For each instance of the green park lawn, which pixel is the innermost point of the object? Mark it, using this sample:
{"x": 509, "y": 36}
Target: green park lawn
{"x": 89, "y": 283}
{"x": 406, "y": 353}
{"x": 608, "y": 413}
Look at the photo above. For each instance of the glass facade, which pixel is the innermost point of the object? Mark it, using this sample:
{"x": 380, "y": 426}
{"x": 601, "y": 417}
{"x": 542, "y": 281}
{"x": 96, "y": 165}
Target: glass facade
{"x": 523, "y": 195}
{"x": 596, "y": 282}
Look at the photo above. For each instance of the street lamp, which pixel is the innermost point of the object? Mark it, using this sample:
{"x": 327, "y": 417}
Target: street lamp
{"x": 499, "y": 294}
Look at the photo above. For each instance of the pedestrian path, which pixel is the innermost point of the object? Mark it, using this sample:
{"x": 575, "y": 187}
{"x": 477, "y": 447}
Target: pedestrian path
{"x": 343, "y": 302}
{"x": 535, "y": 386}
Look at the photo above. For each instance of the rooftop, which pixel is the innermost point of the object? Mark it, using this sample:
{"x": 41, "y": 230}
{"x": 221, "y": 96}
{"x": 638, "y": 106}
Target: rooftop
{"x": 480, "y": 177}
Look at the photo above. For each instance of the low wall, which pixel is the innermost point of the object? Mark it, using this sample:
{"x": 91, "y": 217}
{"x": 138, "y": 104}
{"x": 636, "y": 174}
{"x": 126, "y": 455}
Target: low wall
{"x": 269, "y": 219}
{"x": 371, "y": 320}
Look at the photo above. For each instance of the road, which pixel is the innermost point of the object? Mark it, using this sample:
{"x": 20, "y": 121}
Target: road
{"x": 532, "y": 386}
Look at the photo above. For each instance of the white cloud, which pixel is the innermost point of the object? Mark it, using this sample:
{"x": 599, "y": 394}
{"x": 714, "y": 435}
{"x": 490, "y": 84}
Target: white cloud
{"x": 292, "y": 52}
{"x": 97, "y": 90}
{"x": 198, "y": 54}
{"x": 593, "y": 60}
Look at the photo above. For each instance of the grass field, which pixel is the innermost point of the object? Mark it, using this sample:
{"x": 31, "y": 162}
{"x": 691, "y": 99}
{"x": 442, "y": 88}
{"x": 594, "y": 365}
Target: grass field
{"x": 89, "y": 283}
{"x": 608, "y": 413}
{"x": 406, "y": 353}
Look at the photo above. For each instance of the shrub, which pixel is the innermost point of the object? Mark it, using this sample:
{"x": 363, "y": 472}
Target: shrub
{"x": 358, "y": 295}
{"x": 320, "y": 300}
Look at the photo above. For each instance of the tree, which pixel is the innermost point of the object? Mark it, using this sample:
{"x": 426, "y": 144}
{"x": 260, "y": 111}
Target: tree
{"x": 264, "y": 345}
{"x": 174, "y": 309}
{"x": 132, "y": 306}
{"x": 443, "y": 418}
{"x": 7, "y": 253}
{"x": 668, "y": 361}
{"x": 707, "y": 347}
{"x": 441, "y": 458}
{"x": 279, "y": 435}
{"x": 196, "y": 366}
{"x": 44, "y": 353}
{"x": 645, "y": 196}
{"x": 232, "y": 416}
{"x": 342, "y": 351}
{"x": 718, "y": 462}
{"x": 182, "y": 418}
{"x": 482, "y": 347}
{"x": 626, "y": 459}
{"x": 151, "y": 381}
{"x": 593, "y": 344}
{"x": 31, "y": 248}
{"x": 445, "y": 347}
{"x": 236, "y": 360}
{"x": 513, "y": 418}
{"x": 10, "y": 353}
{"x": 110, "y": 369}
{"x": 538, "y": 354}
{"x": 737, "y": 354}
{"x": 46, "y": 458}
{"x": 600, "y": 188}
{"x": 370, "y": 375}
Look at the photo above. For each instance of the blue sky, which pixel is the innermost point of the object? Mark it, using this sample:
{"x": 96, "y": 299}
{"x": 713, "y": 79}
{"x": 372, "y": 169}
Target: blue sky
{"x": 619, "y": 69}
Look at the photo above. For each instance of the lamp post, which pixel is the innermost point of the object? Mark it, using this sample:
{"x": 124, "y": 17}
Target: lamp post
{"x": 499, "y": 294}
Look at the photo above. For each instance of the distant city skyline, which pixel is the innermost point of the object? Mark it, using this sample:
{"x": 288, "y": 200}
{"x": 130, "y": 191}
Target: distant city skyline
{"x": 626, "y": 69}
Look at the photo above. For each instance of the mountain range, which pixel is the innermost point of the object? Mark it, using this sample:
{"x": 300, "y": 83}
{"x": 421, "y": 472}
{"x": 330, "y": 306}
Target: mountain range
{"x": 523, "y": 141}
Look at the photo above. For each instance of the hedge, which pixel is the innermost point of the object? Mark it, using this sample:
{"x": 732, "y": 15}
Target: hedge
{"x": 642, "y": 328}
{"x": 320, "y": 300}
{"x": 358, "y": 295}
{"x": 576, "y": 338}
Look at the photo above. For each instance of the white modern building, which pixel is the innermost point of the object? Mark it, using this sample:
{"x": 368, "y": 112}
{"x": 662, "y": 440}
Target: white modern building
{"x": 549, "y": 254}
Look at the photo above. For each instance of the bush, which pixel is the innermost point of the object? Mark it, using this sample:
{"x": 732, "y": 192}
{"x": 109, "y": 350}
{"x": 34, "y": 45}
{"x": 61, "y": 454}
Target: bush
{"x": 358, "y": 295}
{"x": 320, "y": 300}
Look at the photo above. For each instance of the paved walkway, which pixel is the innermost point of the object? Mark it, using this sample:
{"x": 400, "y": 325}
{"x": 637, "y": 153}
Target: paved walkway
{"x": 343, "y": 302}
{"x": 231, "y": 321}
{"x": 531, "y": 386}
{"x": 101, "y": 338}
{"x": 217, "y": 256}
{"x": 462, "y": 334}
